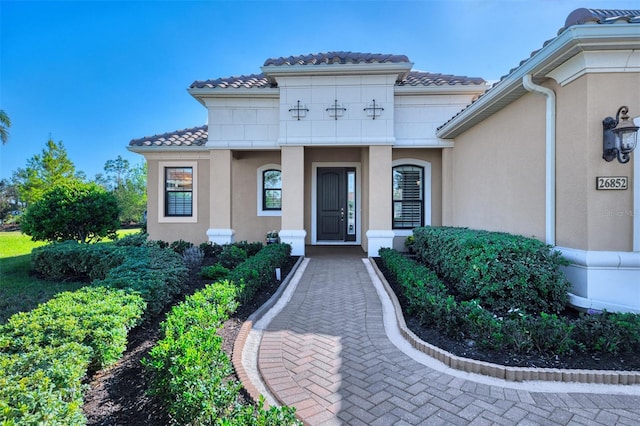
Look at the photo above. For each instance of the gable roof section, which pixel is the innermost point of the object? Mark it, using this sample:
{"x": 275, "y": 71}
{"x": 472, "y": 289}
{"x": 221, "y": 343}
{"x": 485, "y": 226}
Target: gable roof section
{"x": 330, "y": 58}
{"x": 251, "y": 81}
{"x": 584, "y": 30}
{"x": 193, "y": 137}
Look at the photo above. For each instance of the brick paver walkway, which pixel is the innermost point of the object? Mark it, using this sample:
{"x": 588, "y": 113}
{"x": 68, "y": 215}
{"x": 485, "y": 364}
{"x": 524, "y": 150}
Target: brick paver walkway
{"x": 327, "y": 354}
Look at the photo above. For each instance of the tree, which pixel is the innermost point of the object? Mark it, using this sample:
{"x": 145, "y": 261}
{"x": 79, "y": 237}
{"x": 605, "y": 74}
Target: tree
{"x": 9, "y": 201}
{"x": 128, "y": 184}
{"x": 79, "y": 211}
{"x": 5, "y": 123}
{"x": 50, "y": 168}
{"x": 117, "y": 169}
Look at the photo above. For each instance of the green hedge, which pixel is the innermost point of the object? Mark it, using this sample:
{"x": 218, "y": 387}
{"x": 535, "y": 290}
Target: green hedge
{"x": 502, "y": 271}
{"x": 259, "y": 270}
{"x": 156, "y": 274}
{"x": 190, "y": 371}
{"x": 45, "y": 353}
{"x": 72, "y": 261}
{"x": 517, "y": 331}
{"x": 188, "y": 368}
{"x": 43, "y": 386}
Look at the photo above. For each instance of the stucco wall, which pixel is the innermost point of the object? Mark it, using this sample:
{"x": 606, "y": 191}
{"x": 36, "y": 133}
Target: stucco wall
{"x": 496, "y": 172}
{"x": 245, "y": 220}
{"x": 193, "y": 232}
{"x": 587, "y": 218}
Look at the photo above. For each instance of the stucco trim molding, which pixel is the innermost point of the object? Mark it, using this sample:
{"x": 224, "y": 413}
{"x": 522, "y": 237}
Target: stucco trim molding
{"x": 617, "y": 61}
{"x": 603, "y": 279}
{"x": 295, "y": 238}
{"x": 379, "y": 238}
{"x": 220, "y": 236}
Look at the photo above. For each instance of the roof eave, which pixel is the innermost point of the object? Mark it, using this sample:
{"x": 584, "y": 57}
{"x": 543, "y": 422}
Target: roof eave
{"x": 202, "y": 93}
{"x": 570, "y": 42}
{"x": 444, "y": 89}
{"x": 400, "y": 68}
{"x": 163, "y": 148}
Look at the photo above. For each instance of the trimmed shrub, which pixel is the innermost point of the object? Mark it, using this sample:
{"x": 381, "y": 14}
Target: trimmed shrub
{"x": 45, "y": 353}
{"x": 79, "y": 211}
{"x": 99, "y": 318}
{"x": 72, "y": 261}
{"x": 180, "y": 246}
{"x": 517, "y": 331}
{"x": 251, "y": 248}
{"x": 155, "y": 274}
{"x": 502, "y": 271}
{"x": 259, "y": 270}
{"x": 190, "y": 371}
{"x": 43, "y": 385}
{"x": 215, "y": 272}
{"x": 211, "y": 249}
{"x": 189, "y": 368}
{"x": 138, "y": 239}
{"x": 231, "y": 256}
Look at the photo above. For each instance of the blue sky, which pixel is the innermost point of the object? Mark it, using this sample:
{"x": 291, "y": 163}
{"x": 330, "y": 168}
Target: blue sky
{"x": 97, "y": 74}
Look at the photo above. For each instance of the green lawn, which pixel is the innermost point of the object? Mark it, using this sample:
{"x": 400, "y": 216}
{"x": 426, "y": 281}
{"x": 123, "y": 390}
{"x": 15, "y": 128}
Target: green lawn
{"x": 19, "y": 290}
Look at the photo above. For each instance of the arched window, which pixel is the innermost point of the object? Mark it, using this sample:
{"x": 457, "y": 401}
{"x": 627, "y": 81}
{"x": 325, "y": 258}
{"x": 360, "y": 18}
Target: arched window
{"x": 408, "y": 196}
{"x": 271, "y": 190}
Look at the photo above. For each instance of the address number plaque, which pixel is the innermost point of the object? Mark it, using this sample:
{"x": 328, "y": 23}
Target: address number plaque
{"x": 611, "y": 182}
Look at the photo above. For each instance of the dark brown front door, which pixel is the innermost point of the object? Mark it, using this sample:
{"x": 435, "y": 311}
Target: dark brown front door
{"x": 335, "y": 204}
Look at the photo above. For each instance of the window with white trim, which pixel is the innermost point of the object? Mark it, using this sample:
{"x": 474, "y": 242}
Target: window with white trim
{"x": 269, "y": 190}
{"x": 178, "y": 191}
{"x": 408, "y": 196}
{"x": 178, "y": 197}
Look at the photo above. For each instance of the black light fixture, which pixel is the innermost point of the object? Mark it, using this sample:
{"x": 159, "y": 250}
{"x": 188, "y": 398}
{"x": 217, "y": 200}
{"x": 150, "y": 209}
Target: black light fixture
{"x": 619, "y": 138}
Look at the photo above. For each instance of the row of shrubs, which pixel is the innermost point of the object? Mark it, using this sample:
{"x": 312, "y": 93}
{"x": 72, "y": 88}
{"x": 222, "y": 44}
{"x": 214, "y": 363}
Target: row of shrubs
{"x": 516, "y": 331}
{"x": 45, "y": 353}
{"x": 156, "y": 274}
{"x": 501, "y": 271}
{"x": 188, "y": 368}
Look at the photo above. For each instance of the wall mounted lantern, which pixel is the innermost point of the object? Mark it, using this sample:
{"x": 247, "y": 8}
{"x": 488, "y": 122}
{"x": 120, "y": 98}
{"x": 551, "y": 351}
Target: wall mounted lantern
{"x": 619, "y": 138}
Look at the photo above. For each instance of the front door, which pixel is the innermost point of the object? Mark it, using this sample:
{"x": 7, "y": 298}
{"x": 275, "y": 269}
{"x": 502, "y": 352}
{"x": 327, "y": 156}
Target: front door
{"x": 336, "y": 200}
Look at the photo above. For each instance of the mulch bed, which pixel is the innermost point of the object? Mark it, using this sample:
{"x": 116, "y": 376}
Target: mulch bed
{"x": 116, "y": 396}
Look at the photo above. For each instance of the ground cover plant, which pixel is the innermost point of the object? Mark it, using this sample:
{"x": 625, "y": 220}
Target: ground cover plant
{"x": 520, "y": 332}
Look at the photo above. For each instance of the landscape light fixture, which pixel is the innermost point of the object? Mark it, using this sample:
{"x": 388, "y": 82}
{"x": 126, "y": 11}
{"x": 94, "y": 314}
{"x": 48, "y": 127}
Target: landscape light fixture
{"x": 619, "y": 138}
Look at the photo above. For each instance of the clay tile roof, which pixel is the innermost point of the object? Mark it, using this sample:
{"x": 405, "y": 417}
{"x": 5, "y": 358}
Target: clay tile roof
{"x": 251, "y": 81}
{"x": 577, "y": 17}
{"x": 417, "y": 78}
{"x": 329, "y": 58}
{"x": 600, "y": 16}
{"x": 196, "y": 136}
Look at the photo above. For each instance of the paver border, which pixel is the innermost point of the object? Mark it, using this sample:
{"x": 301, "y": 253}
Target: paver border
{"x": 511, "y": 374}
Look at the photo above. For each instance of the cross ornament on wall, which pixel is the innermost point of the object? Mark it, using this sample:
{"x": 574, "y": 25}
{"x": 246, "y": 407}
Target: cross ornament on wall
{"x": 335, "y": 110}
{"x": 374, "y": 110}
{"x": 298, "y": 111}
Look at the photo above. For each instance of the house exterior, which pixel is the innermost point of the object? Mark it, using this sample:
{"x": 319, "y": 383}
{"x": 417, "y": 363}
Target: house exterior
{"x": 352, "y": 148}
